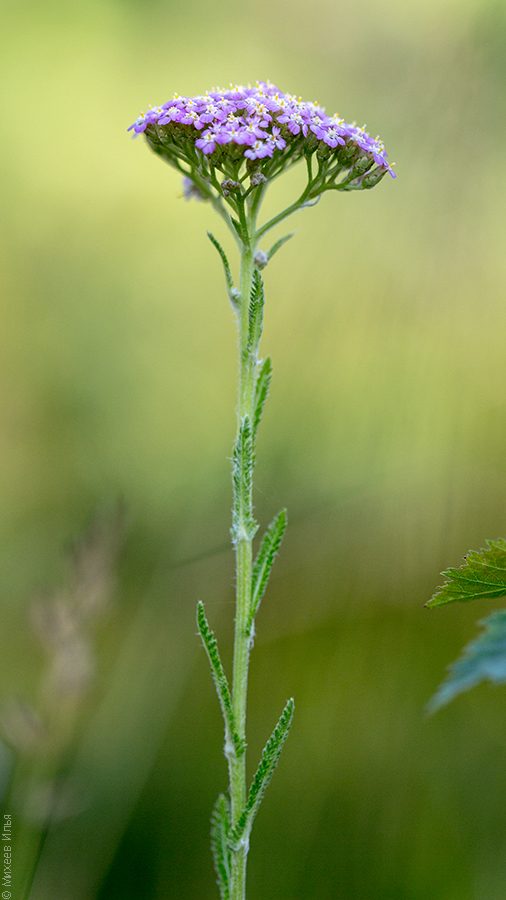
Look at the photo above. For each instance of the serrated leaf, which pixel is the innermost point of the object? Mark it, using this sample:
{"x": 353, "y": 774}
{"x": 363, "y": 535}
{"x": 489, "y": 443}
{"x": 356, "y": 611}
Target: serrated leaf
{"x": 482, "y": 576}
{"x": 255, "y": 313}
{"x": 233, "y": 743}
{"x": 220, "y": 828}
{"x": 262, "y": 387}
{"x": 243, "y": 524}
{"x": 484, "y": 659}
{"x": 270, "y": 756}
{"x": 277, "y": 246}
{"x": 265, "y": 559}
{"x": 232, "y": 293}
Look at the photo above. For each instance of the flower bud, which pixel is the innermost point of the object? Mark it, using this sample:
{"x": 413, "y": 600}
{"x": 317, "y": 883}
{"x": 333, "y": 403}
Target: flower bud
{"x": 261, "y": 259}
{"x": 230, "y": 187}
{"x": 348, "y": 154}
{"x": 361, "y": 166}
{"x": 372, "y": 178}
{"x": 257, "y": 179}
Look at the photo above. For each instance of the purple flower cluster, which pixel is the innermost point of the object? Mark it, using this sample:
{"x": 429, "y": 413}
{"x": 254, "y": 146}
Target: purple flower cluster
{"x": 259, "y": 120}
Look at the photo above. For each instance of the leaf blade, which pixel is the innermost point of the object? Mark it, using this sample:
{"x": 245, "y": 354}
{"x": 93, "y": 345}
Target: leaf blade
{"x": 232, "y": 291}
{"x": 262, "y": 387}
{"x": 239, "y": 835}
{"x": 483, "y": 576}
{"x": 277, "y": 246}
{"x": 255, "y": 314}
{"x": 265, "y": 560}
{"x": 244, "y": 525}
{"x": 483, "y": 659}
{"x": 220, "y": 829}
{"x": 233, "y": 743}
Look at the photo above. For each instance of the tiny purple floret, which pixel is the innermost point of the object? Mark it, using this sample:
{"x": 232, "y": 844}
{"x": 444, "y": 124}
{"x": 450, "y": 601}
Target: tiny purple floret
{"x": 259, "y": 122}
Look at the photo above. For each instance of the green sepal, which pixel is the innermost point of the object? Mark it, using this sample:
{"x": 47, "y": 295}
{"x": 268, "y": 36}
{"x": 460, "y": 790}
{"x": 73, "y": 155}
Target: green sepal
{"x": 233, "y": 292}
{"x": 277, "y": 246}
{"x": 255, "y": 314}
{"x": 220, "y": 829}
{"x": 265, "y": 559}
{"x": 270, "y": 756}
{"x": 484, "y": 659}
{"x": 262, "y": 386}
{"x": 243, "y": 524}
{"x": 483, "y": 576}
{"x": 234, "y": 746}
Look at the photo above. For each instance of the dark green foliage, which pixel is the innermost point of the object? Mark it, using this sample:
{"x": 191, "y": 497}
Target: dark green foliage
{"x": 262, "y": 386}
{"x": 483, "y": 576}
{"x": 220, "y": 680}
{"x": 256, "y": 313}
{"x": 232, "y": 292}
{"x": 277, "y": 246}
{"x": 484, "y": 659}
{"x": 243, "y": 523}
{"x": 263, "y": 775}
{"x": 265, "y": 559}
{"x": 220, "y": 828}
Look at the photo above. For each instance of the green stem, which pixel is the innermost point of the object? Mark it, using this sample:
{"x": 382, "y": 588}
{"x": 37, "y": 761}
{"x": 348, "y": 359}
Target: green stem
{"x": 286, "y": 212}
{"x": 244, "y": 554}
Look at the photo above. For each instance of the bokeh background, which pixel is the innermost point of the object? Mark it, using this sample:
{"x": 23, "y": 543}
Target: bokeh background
{"x": 384, "y": 436}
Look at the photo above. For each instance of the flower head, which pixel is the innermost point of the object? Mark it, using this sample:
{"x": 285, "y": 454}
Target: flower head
{"x": 246, "y": 131}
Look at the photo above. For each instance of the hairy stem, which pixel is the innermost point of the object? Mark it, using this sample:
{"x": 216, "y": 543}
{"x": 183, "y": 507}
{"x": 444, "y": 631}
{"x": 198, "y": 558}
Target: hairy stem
{"x": 243, "y": 548}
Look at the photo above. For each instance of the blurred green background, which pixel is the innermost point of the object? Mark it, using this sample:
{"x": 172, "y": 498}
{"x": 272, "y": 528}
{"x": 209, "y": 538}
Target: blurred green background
{"x": 384, "y": 436}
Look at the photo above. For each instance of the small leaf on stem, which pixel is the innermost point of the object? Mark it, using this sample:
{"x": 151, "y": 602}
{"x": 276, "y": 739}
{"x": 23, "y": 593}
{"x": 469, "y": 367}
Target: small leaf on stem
{"x": 262, "y": 386}
{"x": 232, "y": 291}
{"x": 238, "y": 228}
{"x": 243, "y": 524}
{"x": 263, "y": 775}
{"x": 265, "y": 560}
{"x": 255, "y": 313}
{"x": 220, "y": 828}
{"x": 277, "y": 246}
{"x": 232, "y": 740}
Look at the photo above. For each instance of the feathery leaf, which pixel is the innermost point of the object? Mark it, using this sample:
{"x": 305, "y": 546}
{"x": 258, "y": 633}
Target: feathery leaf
{"x": 277, "y": 246}
{"x": 255, "y": 313}
{"x": 233, "y": 743}
{"x": 270, "y": 756}
{"x": 220, "y": 828}
{"x": 243, "y": 523}
{"x": 262, "y": 386}
{"x": 265, "y": 559}
{"x": 232, "y": 292}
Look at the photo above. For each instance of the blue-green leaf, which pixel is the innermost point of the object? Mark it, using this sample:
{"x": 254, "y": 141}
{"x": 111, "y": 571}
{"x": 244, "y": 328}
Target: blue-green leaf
{"x": 483, "y": 576}
{"x": 220, "y": 828}
{"x": 484, "y": 659}
{"x": 270, "y": 756}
